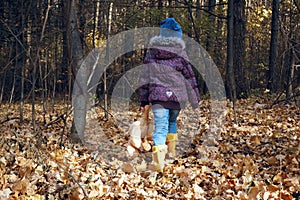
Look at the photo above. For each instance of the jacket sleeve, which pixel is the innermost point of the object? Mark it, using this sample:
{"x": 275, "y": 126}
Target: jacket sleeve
{"x": 191, "y": 83}
{"x": 144, "y": 81}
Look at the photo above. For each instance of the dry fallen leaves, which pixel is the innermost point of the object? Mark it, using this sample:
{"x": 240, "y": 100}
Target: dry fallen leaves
{"x": 258, "y": 158}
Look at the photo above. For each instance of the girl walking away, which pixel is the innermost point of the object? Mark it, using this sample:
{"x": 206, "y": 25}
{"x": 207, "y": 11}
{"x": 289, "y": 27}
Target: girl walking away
{"x": 168, "y": 83}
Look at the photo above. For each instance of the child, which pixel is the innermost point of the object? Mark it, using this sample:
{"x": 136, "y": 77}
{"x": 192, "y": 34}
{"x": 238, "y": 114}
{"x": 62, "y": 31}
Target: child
{"x": 168, "y": 82}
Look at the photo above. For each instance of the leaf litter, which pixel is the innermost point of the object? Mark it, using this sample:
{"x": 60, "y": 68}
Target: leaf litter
{"x": 255, "y": 158}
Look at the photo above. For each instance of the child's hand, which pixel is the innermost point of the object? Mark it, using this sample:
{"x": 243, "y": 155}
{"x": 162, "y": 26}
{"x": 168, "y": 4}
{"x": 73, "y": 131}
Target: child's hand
{"x": 145, "y": 108}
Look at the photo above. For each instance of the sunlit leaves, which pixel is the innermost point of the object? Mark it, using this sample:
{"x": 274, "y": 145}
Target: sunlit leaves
{"x": 257, "y": 158}
{"x": 259, "y": 18}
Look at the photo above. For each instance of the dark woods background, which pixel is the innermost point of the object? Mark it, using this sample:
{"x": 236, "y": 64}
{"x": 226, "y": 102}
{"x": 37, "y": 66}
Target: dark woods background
{"x": 42, "y": 41}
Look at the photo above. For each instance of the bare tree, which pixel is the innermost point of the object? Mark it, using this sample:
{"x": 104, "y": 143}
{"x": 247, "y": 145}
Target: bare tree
{"x": 230, "y": 81}
{"x": 75, "y": 52}
{"x": 272, "y": 83}
{"x": 239, "y": 48}
{"x": 212, "y": 19}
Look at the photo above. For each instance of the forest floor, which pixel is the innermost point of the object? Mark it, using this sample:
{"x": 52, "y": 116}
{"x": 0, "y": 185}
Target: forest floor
{"x": 256, "y": 157}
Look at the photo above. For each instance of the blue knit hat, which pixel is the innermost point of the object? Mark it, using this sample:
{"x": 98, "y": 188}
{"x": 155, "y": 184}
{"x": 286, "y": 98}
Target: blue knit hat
{"x": 170, "y": 28}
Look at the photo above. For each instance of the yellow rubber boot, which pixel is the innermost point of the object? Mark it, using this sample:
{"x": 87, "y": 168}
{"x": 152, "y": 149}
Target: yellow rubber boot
{"x": 158, "y": 158}
{"x": 171, "y": 141}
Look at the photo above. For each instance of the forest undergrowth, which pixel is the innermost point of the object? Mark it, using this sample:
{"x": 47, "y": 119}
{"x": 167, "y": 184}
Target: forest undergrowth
{"x": 254, "y": 157}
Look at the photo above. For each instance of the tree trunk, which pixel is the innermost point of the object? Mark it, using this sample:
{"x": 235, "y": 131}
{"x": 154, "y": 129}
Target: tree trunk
{"x": 27, "y": 38}
{"x": 159, "y": 4}
{"x": 197, "y": 9}
{"x": 2, "y": 86}
{"x": 22, "y": 70}
{"x": 96, "y": 33}
{"x": 15, "y": 71}
{"x": 65, "y": 74}
{"x": 272, "y": 73}
{"x": 290, "y": 72}
{"x": 212, "y": 19}
{"x": 108, "y": 23}
{"x": 75, "y": 51}
{"x": 231, "y": 87}
{"x": 297, "y": 68}
{"x": 210, "y": 39}
{"x": 239, "y": 48}
{"x": 43, "y": 86}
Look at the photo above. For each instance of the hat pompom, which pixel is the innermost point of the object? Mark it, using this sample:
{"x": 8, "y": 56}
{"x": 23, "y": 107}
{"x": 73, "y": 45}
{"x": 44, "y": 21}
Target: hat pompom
{"x": 170, "y": 28}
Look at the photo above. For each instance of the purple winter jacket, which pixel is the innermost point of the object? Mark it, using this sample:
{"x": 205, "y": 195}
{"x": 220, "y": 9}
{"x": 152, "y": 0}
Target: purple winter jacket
{"x": 167, "y": 77}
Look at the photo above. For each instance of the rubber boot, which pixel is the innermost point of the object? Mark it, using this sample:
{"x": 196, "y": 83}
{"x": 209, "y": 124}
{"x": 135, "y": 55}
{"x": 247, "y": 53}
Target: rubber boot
{"x": 171, "y": 141}
{"x": 158, "y": 158}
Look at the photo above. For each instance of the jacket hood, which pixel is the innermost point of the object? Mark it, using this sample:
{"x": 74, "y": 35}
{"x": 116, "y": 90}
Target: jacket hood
{"x": 167, "y": 41}
{"x": 166, "y": 47}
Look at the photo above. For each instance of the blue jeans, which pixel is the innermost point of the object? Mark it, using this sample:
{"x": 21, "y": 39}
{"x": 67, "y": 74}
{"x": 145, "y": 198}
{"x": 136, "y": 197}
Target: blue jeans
{"x": 164, "y": 123}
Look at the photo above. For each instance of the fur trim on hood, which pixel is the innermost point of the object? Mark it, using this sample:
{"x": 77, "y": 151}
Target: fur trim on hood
{"x": 167, "y": 41}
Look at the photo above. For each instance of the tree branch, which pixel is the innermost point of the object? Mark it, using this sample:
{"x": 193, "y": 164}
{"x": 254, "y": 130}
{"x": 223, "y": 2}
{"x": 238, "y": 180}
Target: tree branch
{"x": 277, "y": 100}
{"x": 8, "y": 119}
